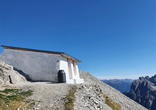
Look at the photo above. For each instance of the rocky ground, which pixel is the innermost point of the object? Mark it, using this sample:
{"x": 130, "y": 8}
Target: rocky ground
{"x": 50, "y": 96}
{"x": 125, "y": 102}
{"x": 91, "y": 95}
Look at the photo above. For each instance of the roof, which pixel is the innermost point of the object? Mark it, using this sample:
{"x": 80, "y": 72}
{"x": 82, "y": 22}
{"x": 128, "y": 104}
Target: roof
{"x": 43, "y": 51}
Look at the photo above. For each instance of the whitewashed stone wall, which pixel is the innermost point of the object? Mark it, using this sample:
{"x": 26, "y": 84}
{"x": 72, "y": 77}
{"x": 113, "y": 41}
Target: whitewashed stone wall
{"x": 64, "y": 66}
{"x": 39, "y": 66}
{"x": 73, "y": 73}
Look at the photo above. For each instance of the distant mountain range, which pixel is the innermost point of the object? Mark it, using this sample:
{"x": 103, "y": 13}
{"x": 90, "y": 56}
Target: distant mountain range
{"x": 143, "y": 91}
{"x": 123, "y": 85}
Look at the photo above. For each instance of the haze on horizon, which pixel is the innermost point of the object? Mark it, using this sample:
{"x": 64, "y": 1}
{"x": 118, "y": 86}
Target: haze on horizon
{"x": 112, "y": 38}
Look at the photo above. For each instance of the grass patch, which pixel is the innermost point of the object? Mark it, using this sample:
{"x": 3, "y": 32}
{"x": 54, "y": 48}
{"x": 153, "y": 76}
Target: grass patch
{"x": 12, "y": 99}
{"x": 110, "y": 103}
{"x": 94, "y": 86}
{"x": 69, "y": 105}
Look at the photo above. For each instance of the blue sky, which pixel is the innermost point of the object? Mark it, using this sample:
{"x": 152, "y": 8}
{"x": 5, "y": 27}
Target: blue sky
{"x": 112, "y": 38}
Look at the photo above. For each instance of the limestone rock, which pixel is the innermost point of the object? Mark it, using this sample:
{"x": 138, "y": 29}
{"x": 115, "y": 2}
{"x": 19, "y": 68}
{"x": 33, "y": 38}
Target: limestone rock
{"x": 89, "y": 97}
{"x": 7, "y": 74}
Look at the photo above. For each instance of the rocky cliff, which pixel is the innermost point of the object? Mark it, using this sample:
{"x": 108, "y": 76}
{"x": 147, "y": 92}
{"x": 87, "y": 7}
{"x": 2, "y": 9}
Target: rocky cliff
{"x": 91, "y": 95}
{"x": 143, "y": 91}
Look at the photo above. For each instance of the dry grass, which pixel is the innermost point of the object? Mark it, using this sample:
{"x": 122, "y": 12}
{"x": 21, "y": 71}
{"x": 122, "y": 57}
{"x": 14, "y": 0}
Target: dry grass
{"x": 12, "y": 99}
{"x": 69, "y": 105}
{"x": 112, "y": 104}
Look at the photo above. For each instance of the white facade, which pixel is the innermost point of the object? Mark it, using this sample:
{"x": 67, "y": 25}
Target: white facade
{"x": 41, "y": 66}
{"x": 71, "y": 69}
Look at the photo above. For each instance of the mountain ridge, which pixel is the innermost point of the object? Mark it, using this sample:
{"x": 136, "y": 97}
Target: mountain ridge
{"x": 143, "y": 91}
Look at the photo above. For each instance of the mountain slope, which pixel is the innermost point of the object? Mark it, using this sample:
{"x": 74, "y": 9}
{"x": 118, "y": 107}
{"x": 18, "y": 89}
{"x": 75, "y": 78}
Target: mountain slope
{"x": 143, "y": 91}
{"x": 122, "y": 85}
{"x": 91, "y": 95}
{"x": 115, "y": 95}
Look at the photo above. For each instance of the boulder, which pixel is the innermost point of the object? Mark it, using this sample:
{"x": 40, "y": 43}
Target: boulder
{"x": 9, "y": 75}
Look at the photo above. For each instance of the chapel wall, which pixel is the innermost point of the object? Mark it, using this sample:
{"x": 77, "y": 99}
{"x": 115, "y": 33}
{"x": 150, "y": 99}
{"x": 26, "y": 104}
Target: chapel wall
{"x": 39, "y": 66}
